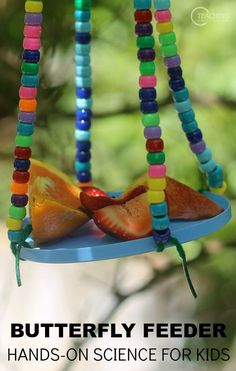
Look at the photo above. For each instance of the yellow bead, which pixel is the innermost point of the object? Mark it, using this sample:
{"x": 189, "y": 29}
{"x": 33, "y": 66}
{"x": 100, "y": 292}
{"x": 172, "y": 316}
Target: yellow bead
{"x": 219, "y": 191}
{"x": 165, "y": 27}
{"x": 157, "y": 184}
{"x": 14, "y": 224}
{"x": 34, "y": 6}
{"x": 155, "y": 197}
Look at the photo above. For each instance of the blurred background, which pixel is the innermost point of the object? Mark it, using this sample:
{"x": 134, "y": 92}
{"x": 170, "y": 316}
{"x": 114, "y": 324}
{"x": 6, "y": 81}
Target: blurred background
{"x": 151, "y": 287}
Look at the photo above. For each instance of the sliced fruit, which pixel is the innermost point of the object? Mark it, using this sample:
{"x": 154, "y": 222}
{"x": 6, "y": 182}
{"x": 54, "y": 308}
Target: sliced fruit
{"x": 51, "y": 220}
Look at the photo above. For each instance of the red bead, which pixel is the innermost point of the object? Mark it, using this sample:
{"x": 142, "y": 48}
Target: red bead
{"x": 143, "y": 16}
{"x": 21, "y": 176}
{"x": 154, "y": 145}
{"x": 22, "y": 152}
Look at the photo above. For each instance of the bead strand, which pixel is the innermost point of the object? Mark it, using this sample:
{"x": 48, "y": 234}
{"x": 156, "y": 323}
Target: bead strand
{"x": 83, "y": 90}
{"x": 27, "y": 116}
{"x": 181, "y": 98}
{"x": 151, "y": 120}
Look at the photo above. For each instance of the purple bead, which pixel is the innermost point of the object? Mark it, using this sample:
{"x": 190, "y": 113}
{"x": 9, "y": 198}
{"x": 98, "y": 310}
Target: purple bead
{"x": 146, "y": 55}
{"x": 143, "y": 29}
{"x": 198, "y": 147}
{"x": 34, "y": 19}
{"x": 171, "y": 62}
{"x": 27, "y": 117}
{"x": 152, "y": 132}
{"x": 19, "y": 200}
{"x": 160, "y": 237}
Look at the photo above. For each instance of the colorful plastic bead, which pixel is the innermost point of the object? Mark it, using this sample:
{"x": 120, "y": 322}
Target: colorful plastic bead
{"x": 24, "y": 153}
{"x": 83, "y": 71}
{"x": 159, "y": 209}
{"x": 15, "y": 236}
{"x": 155, "y": 197}
{"x": 143, "y": 16}
{"x": 82, "y": 16}
{"x": 164, "y": 27}
{"x": 17, "y": 212}
{"x": 83, "y": 146}
{"x": 175, "y": 73}
{"x": 169, "y": 50}
{"x": 84, "y": 103}
{"x": 83, "y": 176}
{"x": 33, "y": 19}
{"x": 167, "y": 38}
{"x": 31, "y": 43}
{"x": 152, "y": 132}
{"x": 83, "y": 124}
{"x": 177, "y": 84}
{"x": 83, "y": 156}
{"x": 149, "y": 106}
{"x": 27, "y": 117}
{"x": 160, "y": 223}
{"x": 172, "y": 61}
{"x": 195, "y": 136}
{"x": 220, "y": 190}
{"x": 25, "y": 129}
{"x": 158, "y": 184}
{"x": 19, "y": 200}
{"x": 187, "y": 117}
{"x": 83, "y": 114}
{"x": 143, "y": 29}
{"x": 147, "y": 94}
{"x": 142, "y": 4}
{"x": 30, "y": 80}
{"x": 151, "y": 119}
{"x": 147, "y": 81}
{"x": 21, "y": 164}
{"x": 184, "y": 106}
{"x": 83, "y": 37}
{"x": 154, "y": 145}
{"x": 82, "y": 4}
{"x": 208, "y": 167}
{"x": 189, "y": 127}
{"x": 32, "y": 31}
{"x": 157, "y": 171}
{"x": 145, "y": 42}
{"x": 82, "y": 135}
{"x": 28, "y": 105}
{"x": 31, "y": 56}
{"x": 82, "y": 27}
{"x": 161, "y": 4}
{"x": 198, "y": 147}
{"x": 163, "y": 16}
{"x": 34, "y": 6}
{"x": 30, "y": 68}
{"x": 82, "y": 60}
{"x": 82, "y": 49}
{"x": 14, "y": 224}
{"x": 147, "y": 68}
{"x": 27, "y": 92}
{"x": 23, "y": 140}
{"x": 216, "y": 177}
{"x": 82, "y": 166}
{"x": 205, "y": 156}
{"x": 181, "y": 95}
{"x": 162, "y": 236}
{"x": 84, "y": 82}
{"x": 21, "y": 176}
{"x": 146, "y": 55}
{"x": 156, "y": 158}
{"x": 19, "y": 188}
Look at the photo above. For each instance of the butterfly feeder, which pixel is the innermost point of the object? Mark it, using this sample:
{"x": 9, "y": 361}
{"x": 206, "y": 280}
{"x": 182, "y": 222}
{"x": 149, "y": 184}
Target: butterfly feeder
{"x": 89, "y": 243}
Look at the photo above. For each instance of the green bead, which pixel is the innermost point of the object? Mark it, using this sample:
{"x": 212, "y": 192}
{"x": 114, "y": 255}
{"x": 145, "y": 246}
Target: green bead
{"x": 23, "y": 141}
{"x": 147, "y": 68}
{"x": 145, "y": 42}
{"x": 167, "y": 38}
{"x": 169, "y": 50}
{"x": 82, "y": 4}
{"x": 17, "y": 212}
{"x": 156, "y": 158}
{"x": 30, "y": 68}
{"x": 151, "y": 119}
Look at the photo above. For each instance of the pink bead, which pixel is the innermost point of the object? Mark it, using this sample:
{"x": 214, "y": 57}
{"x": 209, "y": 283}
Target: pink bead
{"x": 31, "y": 43}
{"x": 157, "y": 171}
{"x": 147, "y": 81}
{"x": 32, "y": 31}
{"x": 27, "y": 93}
{"x": 163, "y": 16}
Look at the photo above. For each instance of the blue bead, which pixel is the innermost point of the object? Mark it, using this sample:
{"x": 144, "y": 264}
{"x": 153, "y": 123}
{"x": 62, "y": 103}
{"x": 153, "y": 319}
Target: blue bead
{"x": 83, "y": 114}
{"x": 205, "y": 156}
{"x": 142, "y": 4}
{"x": 83, "y": 103}
{"x": 82, "y": 166}
{"x": 83, "y": 124}
{"x": 208, "y": 167}
{"x": 83, "y": 71}
{"x": 21, "y": 165}
{"x": 195, "y": 136}
{"x": 162, "y": 4}
{"x": 175, "y": 73}
{"x": 82, "y": 15}
{"x": 216, "y": 177}
{"x": 83, "y": 146}
{"x": 181, "y": 95}
{"x": 162, "y": 236}
{"x": 82, "y": 26}
{"x": 84, "y": 176}
{"x": 184, "y": 106}
{"x": 189, "y": 127}
{"x": 25, "y": 129}
{"x": 186, "y": 117}
{"x": 159, "y": 209}
{"x": 30, "y": 80}
{"x": 83, "y": 156}
{"x": 82, "y": 60}
{"x": 147, "y": 94}
{"x": 83, "y": 82}
{"x": 15, "y": 236}
{"x": 83, "y": 93}
{"x": 31, "y": 55}
{"x": 82, "y": 135}
{"x": 176, "y": 84}
{"x": 82, "y": 49}
{"x": 143, "y": 29}
{"x": 83, "y": 37}
{"x": 161, "y": 223}
{"x": 149, "y": 106}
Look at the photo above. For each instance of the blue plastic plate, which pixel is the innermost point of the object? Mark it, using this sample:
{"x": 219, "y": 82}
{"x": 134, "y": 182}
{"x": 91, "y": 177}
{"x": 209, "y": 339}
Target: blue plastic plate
{"x": 90, "y": 244}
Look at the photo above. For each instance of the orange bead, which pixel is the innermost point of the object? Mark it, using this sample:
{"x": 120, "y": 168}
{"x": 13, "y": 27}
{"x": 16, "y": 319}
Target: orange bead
{"x": 87, "y": 184}
{"x": 19, "y": 188}
{"x": 28, "y": 105}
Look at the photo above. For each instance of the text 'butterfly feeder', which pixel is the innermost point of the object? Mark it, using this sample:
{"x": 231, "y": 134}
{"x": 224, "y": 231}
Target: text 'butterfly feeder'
{"x": 120, "y": 225}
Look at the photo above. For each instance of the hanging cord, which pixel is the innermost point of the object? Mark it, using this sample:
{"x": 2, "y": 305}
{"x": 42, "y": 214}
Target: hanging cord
{"x": 181, "y": 252}
{"x": 16, "y": 249}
